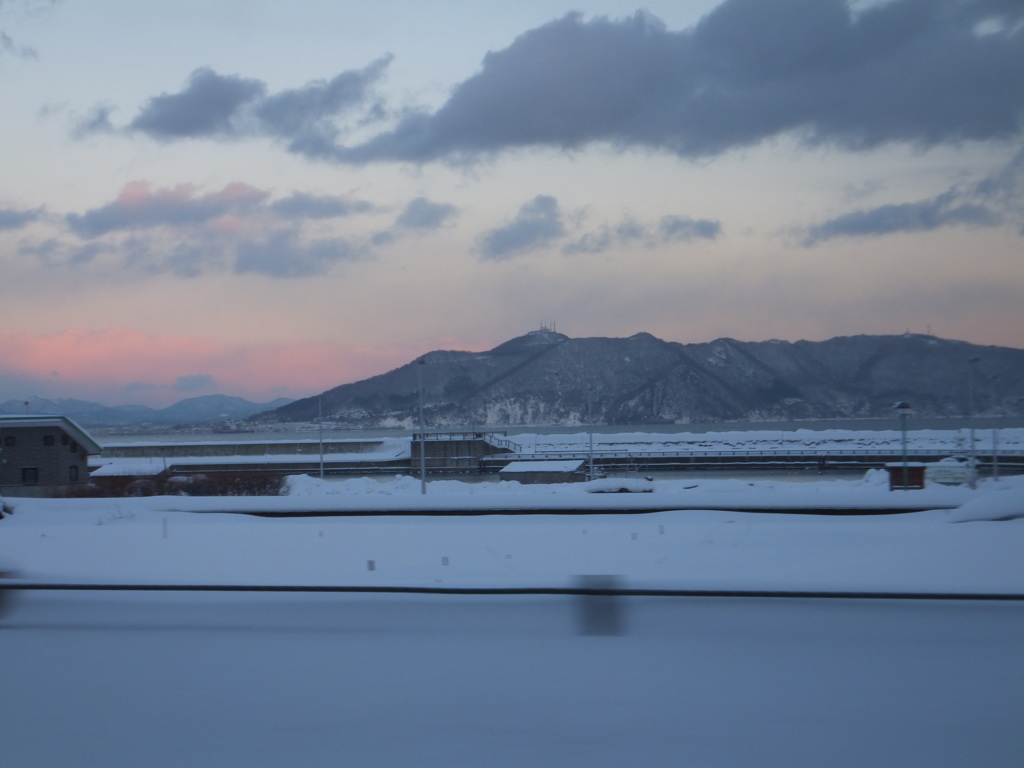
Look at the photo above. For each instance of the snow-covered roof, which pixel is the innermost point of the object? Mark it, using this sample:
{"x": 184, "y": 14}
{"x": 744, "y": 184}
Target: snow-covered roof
{"x": 66, "y": 423}
{"x": 543, "y": 466}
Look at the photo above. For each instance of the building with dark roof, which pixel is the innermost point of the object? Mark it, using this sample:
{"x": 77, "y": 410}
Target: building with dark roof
{"x": 43, "y": 455}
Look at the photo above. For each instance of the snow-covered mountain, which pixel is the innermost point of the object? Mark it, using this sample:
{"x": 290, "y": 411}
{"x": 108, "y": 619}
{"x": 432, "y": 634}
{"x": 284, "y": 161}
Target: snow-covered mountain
{"x": 206, "y": 409}
{"x": 548, "y": 378}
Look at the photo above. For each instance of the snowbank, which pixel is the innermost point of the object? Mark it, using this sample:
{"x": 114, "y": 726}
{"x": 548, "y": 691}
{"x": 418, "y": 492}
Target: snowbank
{"x": 1003, "y": 501}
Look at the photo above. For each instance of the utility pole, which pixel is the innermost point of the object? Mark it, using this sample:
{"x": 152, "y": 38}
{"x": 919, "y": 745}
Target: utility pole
{"x": 972, "y": 477}
{"x": 995, "y": 429}
{"x": 423, "y": 437}
{"x": 320, "y": 420}
{"x": 904, "y": 410}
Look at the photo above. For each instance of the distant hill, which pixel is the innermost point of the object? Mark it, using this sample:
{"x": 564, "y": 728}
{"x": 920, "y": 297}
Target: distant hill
{"x": 546, "y": 378}
{"x": 206, "y": 409}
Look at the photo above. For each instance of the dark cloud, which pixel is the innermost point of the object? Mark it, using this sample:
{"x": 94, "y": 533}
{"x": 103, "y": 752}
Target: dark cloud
{"x": 188, "y": 258}
{"x": 304, "y": 116}
{"x": 197, "y": 382}
{"x": 1005, "y": 186}
{"x": 95, "y": 121}
{"x": 8, "y": 45}
{"x": 629, "y": 231}
{"x": 422, "y": 214}
{"x": 86, "y": 254}
{"x": 1005, "y": 190}
{"x": 597, "y": 241}
{"x": 184, "y": 232}
{"x": 300, "y": 205}
{"x": 11, "y": 218}
{"x": 140, "y": 207}
{"x": 208, "y": 106}
{"x": 854, "y": 75}
{"x": 47, "y": 251}
{"x": 10, "y": 48}
{"x": 923, "y": 216}
{"x": 54, "y": 253}
{"x": 212, "y": 105}
{"x": 283, "y": 255}
{"x": 992, "y": 202}
{"x": 685, "y": 229}
{"x": 537, "y": 225}
{"x": 902, "y": 71}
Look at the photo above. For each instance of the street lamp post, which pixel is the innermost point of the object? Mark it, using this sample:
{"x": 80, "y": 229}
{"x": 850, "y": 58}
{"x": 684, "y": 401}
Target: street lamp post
{"x": 423, "y": 438}
{"x": 320, "y": 420}
{"x": 904, "y": 410}
{"x": 972, "y": 476}
{"x": 995, "y": 429}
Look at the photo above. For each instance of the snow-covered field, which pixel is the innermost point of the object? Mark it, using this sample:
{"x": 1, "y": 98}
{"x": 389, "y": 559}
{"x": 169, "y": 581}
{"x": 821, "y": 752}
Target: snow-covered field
{"x": 221, "y": 679}
{"x": 955, "y": 546}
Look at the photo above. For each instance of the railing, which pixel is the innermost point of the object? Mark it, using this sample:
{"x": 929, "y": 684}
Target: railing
{"x": 778, "y": 453}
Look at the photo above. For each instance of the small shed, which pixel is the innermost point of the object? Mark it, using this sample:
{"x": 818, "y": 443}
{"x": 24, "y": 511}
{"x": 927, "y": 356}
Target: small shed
{"x": 565, "y": 471}
{"x": 40, "y": 455}
{"x": 905, "y": 477}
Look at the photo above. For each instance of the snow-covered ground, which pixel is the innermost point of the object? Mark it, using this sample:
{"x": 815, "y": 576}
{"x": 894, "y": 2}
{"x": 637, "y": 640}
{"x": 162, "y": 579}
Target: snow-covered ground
{"x": 321, "y": 681}
{"x": 226, "y": 679}
{"x": 970, "y": 540}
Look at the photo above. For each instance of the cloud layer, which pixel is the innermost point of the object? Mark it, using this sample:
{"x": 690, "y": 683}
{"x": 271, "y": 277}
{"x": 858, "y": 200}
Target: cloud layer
{"x": 988, "y": 203}
{"x": 188, "y": 232}
{"x": 15, "y": 218}
{"x": 923, "y": 73}
{"x": 216, "y": 106}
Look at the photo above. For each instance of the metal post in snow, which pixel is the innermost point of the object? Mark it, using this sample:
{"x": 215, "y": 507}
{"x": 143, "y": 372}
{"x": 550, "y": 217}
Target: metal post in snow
{"x": 973, "y": 468}
{"x": 995, "y": 453}
{"x": 320, "y": 418}
{"x": 904, "y": 409}
{"x": 423, "y": 442}
{"x": 995, "y": 430}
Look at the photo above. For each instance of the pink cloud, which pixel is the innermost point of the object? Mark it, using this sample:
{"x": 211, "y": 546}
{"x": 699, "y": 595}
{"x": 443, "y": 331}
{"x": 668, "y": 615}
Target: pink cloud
{"x": 107, "y": 365}
{"x": 140, "y": 194}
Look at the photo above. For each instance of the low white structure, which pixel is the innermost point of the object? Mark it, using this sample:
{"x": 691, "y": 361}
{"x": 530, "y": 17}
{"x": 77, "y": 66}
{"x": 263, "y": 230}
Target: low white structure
{"x": 564, "y": 471}
{"x": 955, "y": 470}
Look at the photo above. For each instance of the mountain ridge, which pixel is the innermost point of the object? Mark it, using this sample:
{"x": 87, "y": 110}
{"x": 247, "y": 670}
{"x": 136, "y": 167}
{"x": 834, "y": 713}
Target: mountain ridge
{"x": 203, "y": 409}
{"x": 546, "y": 378}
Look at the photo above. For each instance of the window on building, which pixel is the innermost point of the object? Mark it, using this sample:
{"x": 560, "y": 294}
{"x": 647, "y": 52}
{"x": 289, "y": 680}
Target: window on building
{"x": 63, "y": 439}
{"x": 73, "y": 474}
{"x": 30, "y": 475}
{"x": 9, "y": 441}
{"x": 74, "y": 447}
{"x": 49, "y": 440}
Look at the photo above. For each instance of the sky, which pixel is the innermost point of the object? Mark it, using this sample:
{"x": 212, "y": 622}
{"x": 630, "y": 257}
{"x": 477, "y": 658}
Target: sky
{"x": 269, "y": 199}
